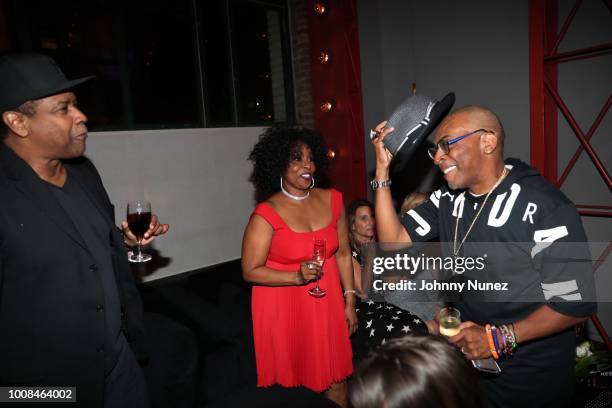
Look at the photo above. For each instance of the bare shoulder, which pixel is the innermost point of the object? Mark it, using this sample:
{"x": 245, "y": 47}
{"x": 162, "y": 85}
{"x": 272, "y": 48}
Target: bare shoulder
{"x": 275, "y": 201}
{"x": 321, "y": 194}
{"x": 258, "y": 224}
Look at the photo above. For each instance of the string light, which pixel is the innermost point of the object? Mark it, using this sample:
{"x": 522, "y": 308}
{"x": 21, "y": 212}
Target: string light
{"x": 319, "y": 8}
{"x": 323, "y": 57}
{"x": 327, "y": 105}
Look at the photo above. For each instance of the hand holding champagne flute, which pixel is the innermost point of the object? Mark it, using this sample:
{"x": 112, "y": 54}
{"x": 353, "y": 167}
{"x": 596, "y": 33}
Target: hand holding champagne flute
{"x": 139, "y": 219}
{"x": 318, "y": 257}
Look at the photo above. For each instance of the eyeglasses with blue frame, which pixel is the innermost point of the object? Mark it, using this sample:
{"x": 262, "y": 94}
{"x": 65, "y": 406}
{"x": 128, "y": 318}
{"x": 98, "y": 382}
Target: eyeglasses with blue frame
{"x": 444, "y": 145}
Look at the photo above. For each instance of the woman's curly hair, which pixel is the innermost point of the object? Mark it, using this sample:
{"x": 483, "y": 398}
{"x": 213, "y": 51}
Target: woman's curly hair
{"x": 272, "y": 154}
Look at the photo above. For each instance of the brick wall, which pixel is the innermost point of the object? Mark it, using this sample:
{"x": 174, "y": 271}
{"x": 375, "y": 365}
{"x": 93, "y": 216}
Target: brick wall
{"x": 301, "y": 62}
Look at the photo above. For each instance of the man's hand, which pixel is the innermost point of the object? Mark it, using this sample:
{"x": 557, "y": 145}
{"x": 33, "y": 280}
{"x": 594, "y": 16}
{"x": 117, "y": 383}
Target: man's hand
{"x": 472, "y": 340}
{"x": 383, "y": 156}
{"x": 155, "y": 229}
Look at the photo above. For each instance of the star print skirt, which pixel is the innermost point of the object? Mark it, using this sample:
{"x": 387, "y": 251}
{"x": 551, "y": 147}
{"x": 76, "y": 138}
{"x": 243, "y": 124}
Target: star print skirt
{"x": 379, "y": 322}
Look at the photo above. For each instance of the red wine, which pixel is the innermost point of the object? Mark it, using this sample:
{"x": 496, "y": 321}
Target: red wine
{"x": 139, "y": 223}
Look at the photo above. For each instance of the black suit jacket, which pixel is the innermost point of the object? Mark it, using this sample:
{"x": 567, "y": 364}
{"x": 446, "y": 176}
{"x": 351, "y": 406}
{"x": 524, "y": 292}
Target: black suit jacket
{"x": 51, "y": 325}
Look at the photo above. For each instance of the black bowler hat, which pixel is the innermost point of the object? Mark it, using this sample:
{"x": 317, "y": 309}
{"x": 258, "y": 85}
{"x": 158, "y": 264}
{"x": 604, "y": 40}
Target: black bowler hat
{"x": 413, "y": 120}
{"x": 26, "y": 77}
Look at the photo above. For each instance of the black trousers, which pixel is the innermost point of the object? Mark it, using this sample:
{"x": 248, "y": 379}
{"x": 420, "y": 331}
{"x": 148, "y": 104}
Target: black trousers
{"x": 172, "y": 370}
{"x": 125, "y": 385}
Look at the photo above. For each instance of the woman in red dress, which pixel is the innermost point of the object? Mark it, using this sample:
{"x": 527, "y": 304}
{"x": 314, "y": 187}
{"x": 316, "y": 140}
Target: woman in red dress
{"x": 300, "y": 340}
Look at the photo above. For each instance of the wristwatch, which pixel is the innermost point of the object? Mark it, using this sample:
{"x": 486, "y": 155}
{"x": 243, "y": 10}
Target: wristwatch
{"x": 376, "y": 184}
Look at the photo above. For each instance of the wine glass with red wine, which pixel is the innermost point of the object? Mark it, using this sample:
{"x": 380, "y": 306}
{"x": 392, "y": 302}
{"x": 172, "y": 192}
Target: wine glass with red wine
{"x": 139, "y": 218}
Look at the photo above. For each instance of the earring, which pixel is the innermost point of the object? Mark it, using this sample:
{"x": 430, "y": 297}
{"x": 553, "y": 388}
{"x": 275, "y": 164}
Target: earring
{"x": 312, "y": 183}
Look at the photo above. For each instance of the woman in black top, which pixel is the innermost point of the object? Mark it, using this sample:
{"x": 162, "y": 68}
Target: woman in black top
{"x": 378, "y": 321}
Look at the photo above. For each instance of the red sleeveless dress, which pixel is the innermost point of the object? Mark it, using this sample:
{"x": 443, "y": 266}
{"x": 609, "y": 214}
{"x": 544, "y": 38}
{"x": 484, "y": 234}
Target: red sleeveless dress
{"x": 300, "y": 339}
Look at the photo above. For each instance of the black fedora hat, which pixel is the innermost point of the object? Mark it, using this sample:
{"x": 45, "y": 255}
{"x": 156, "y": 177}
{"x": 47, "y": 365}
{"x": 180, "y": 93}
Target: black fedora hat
{"x": 414, "y": 119}
{"x": 30, "y": 76}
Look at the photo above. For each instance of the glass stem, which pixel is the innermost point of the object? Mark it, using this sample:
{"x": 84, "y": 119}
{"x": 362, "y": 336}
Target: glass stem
{"x": 139, "y": 249}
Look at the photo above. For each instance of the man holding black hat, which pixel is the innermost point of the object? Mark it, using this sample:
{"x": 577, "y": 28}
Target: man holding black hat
{"x": 536, "y": 252}
{"x": 70, "y": 311}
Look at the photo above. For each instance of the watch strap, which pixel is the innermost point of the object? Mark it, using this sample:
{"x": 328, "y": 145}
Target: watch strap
{"x": 376, "y": 184}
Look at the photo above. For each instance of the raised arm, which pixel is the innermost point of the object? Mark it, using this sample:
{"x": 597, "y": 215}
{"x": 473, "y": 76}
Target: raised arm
{"x": 388, "y": 227}
{"x": 255, "y": 247}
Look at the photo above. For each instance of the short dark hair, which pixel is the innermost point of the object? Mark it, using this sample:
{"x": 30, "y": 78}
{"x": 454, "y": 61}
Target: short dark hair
{"x": 351, "y": 210}
{"x": 28, "y": 108}
{"x": 415, "y": 371}
{"x": 272, "y": 154}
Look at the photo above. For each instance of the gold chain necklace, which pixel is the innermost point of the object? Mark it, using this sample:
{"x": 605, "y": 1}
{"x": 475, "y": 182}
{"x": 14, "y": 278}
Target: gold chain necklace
{"x": 457, "y": 248}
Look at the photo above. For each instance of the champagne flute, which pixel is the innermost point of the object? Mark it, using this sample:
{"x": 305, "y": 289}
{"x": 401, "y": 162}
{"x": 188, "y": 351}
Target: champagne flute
{"x": 318, "y": 257}
{"x": 449, "y": 319}
{"x": 139, "y": 219}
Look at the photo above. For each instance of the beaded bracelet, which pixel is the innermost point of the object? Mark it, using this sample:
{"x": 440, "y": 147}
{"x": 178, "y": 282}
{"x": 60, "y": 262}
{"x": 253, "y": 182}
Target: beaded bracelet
{"x": 348, "y": 291}
{"x": 490, "y": 340}
{"x": 514, "y": 335}
{"x": 510, "y": 340}
{"x": 496, "y": 340}
{"x": 506, "y": 346}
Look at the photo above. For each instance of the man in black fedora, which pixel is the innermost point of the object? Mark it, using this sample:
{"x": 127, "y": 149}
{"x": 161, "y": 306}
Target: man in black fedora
{"x": 530, "y": 241}
{"x": 70, "y": 311}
